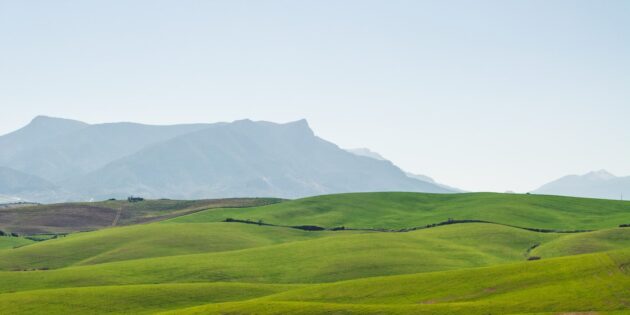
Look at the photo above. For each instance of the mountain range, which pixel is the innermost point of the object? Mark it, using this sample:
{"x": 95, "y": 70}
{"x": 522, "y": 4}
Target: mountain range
{"x": 596, "y": 184}
{"x": 53, "y": 159}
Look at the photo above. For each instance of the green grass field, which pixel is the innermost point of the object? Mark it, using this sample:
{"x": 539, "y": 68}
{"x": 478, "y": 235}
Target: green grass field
{"x": 196, "y": 264}
{"x": 405, "y": 210}
{"x": 581, "y": 243}
{"x": 145, "y": 241}
{"x": 8, "y": 242}
{"x": 596, "y": 282}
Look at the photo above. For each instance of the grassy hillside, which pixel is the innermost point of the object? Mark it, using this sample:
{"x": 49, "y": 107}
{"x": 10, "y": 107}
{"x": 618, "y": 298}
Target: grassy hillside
{"x": 137, "y": 299}
{"x": 347, "y": 255}
{"x": 575, "y": 244}
{"x": 195, "y": 264}
{"x": 586, "y": 283}
{"x": 596, "y": 282}
{"x": 403, "y": 210}
{"x": 73, "y": 217}
{"x": 8, "y": 242}
{"x": 144, "y": 241}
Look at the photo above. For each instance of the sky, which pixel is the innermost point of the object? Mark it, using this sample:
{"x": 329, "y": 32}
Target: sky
{"x": 482, "y": 95}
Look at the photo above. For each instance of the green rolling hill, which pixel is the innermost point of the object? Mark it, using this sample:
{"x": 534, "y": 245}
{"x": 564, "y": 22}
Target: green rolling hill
{"x": 145, "y": 241}
{"x": 576, "y": 284}
{"x": 8, "y": 242}
{"x": 341, "y": 256}
{"x": 393, "y": 210}
{"x": 132, "y": 299}
{"x": 196, "y": 264}
{"x": 582, "y": 283}
{"x": 581, "y": 243}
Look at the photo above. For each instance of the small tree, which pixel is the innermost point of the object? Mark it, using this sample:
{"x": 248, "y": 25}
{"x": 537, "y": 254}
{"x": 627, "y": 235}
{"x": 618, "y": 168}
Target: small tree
{"x": 134, "y": 199}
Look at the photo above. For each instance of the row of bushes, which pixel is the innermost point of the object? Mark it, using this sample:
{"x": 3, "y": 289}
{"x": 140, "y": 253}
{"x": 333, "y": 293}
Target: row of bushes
{"x": 260, "y": 222}
{"x": 447, "y": 222}
{"x": 12, "y": 234}
{"x": 34, "y": 237}
{"x": 247, "y": 221}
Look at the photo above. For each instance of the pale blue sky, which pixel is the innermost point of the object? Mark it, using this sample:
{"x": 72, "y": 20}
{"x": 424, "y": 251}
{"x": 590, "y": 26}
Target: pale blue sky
{"x": 483, "y": 95}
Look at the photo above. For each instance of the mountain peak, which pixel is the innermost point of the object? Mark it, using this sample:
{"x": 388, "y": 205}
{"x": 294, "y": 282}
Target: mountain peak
{"x": 599, "y": 175}
{"x": 47, "y": 121}
{"x": 595, "y": 184}
{"x": 40, "y": 118}
{"x": 301, "y": 125}
{"x": 42, "y": 127}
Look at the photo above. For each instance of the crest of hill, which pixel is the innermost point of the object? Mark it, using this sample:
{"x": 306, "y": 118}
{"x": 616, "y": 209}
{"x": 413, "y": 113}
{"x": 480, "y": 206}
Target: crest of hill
{"x": 401, "y": 210}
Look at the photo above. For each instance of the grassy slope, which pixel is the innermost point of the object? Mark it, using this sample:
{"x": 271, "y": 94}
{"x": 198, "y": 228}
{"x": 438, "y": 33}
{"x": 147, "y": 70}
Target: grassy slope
{"x": 138, "y": 299}
{"x": 261, "y": 255}
{"x": 7, "y": 242}
{"x": 581, "y": 243}
{"x": 145, "y": 241}
{"x": 596, "y": 282}
{"x": 73, "y": 217}
{"x": 176, "y": 238}
{"x": 344, "y": 256}
{"x": 401, "y": 210}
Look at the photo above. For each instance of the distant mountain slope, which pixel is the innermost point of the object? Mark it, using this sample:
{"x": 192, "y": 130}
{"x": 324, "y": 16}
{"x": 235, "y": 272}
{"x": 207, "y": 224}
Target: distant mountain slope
{"x": 59, "y": 149}
{"x": 37, "y": 132}
{"x": 598, "y": 184}
{"x": 14, "y": 182}
{"x": 242, "y": 158}
{"x": 367, "y": 153}
{"x": 246, "y": 158}
{"x": 17, "y": 186}
{"x": 371, "y": 154}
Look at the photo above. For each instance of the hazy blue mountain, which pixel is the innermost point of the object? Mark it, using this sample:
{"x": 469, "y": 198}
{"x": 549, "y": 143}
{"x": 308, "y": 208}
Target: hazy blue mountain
{"x": 367, "y": 153}
{"x": 371, "y": 154}
{"x": 12, "y": 182}
{"x": 246, "y": 158}
{"x": 16, "y": 185}
{"x": 54, "y": 159}
{"x": 428, "y": 179}
{"x": 597, "y": 184}
{"x": 60, "y": 149}
{"x": 421, "y": 177}
{"x": 37, "y": 133}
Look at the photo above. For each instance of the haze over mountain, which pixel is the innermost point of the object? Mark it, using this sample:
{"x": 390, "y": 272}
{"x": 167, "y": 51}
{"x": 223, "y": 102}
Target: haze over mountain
{"x": 596, "y": 184}
{"x": 371, "y": 154}
{"x": 54, "y": 159}
{"x": 60, "y": 149}
{"x": 367, "y": 153}
{"x": 15, "y": 183}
